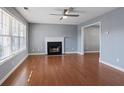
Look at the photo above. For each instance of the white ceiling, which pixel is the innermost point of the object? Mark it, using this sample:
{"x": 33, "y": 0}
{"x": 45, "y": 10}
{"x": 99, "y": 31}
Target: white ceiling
{"x": 42, "y": 14}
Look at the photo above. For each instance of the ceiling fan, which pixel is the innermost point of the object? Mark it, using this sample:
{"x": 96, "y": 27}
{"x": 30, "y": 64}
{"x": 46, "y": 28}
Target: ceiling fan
{"x": 66, "y": 13}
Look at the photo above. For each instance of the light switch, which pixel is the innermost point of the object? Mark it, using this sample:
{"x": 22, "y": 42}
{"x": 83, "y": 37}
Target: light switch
{"x": 107, "y": 33}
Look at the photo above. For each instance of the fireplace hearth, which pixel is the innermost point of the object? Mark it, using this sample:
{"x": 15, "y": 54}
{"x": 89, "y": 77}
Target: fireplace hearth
{"x": 54, "y": 48}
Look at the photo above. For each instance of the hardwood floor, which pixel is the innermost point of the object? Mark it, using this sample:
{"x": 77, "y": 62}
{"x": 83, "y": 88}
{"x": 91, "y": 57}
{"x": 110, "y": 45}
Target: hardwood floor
{"x": 72, "y": 69}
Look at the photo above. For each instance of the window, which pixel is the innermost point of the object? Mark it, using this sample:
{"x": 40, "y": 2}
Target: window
{"x": 22, "y": 36}
{"x": 15, "y": 35}
{"x": 12, "y": 35}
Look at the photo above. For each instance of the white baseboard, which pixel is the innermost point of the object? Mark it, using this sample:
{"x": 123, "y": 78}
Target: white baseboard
{"x": 106, "y": 63}
{"x": 37, "y": 54}
{"x": 80, "y": 53}
{"x": 5, "y": 77}
{"x": 91, "y": 51}
{"x": 72, "y": 52}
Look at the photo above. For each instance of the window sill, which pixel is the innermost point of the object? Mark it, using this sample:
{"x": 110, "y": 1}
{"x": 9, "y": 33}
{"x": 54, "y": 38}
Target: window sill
{"x": 11, "y": 56}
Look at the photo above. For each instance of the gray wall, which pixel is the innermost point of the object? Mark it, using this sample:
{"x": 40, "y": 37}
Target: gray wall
{"x": 112, "y": 45}
{"x": 7, "y": 66}
{"x": 38, "y": 32}
{"x": 91, "y": 38}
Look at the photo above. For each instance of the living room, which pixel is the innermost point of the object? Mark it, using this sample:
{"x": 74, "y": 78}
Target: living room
{"x": 61, "y": 46}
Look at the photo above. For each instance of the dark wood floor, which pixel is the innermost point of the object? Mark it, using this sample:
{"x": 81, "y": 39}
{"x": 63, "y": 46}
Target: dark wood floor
{"x": 70, "y": 69}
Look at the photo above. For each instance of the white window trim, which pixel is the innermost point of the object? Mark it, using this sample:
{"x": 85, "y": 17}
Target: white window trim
{"x": 13, "y": 53}
{"x": 6, "y": 59}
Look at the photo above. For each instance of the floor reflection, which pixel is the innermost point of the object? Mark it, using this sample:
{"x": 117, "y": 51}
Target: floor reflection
{"x": 70, "y": 69}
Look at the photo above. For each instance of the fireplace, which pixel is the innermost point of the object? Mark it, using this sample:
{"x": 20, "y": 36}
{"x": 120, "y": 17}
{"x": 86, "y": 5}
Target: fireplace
{"x": 54, "y": 48}
{"x": 54, "y": 45}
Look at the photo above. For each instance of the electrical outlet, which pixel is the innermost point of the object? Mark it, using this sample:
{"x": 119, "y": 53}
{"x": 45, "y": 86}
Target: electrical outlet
{"x": 13, "y": 63}
{"x": 33, "y": 50}
{"x": 72, "y": 49}
{"x": 117, "y": 59}
{"x": 38, "y": 49}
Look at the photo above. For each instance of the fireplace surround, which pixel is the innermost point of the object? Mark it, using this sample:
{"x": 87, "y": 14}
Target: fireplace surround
{"x": 54, "y": 45}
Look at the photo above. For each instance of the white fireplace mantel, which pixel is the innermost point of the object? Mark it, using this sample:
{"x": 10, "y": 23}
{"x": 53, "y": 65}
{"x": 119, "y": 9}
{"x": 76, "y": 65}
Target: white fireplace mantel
{"x": 54, "y": 39}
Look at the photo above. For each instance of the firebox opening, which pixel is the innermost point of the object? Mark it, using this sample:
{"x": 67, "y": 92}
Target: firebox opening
{"x": 54, "y": 48}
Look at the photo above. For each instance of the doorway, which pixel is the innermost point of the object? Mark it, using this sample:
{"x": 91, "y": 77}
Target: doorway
{"x": 91, "y": 38}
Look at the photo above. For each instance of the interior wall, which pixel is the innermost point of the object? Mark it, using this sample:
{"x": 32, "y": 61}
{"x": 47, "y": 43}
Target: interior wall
{"x": 112, "y": 36}
{"x": 91, "y": 38}
{"x": 7, "y": 66}
{"x": 38, "y": 32}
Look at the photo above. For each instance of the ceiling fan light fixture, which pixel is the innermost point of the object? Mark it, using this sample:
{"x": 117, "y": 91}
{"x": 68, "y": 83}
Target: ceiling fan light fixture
{"x": 65, "y": 17}
{"x": 67, "y": 12}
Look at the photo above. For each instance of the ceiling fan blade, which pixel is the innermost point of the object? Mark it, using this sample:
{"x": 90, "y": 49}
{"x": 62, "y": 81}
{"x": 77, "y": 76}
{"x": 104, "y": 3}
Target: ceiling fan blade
{"x": 61, "y": 18}
{"x": 57, "y": 14}
{"x": 72, "y": 15}
{"x": 66, "y": 13}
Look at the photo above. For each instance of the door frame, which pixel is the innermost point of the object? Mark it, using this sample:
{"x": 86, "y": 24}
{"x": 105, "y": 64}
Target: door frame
{"x": 82, "y": 36}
